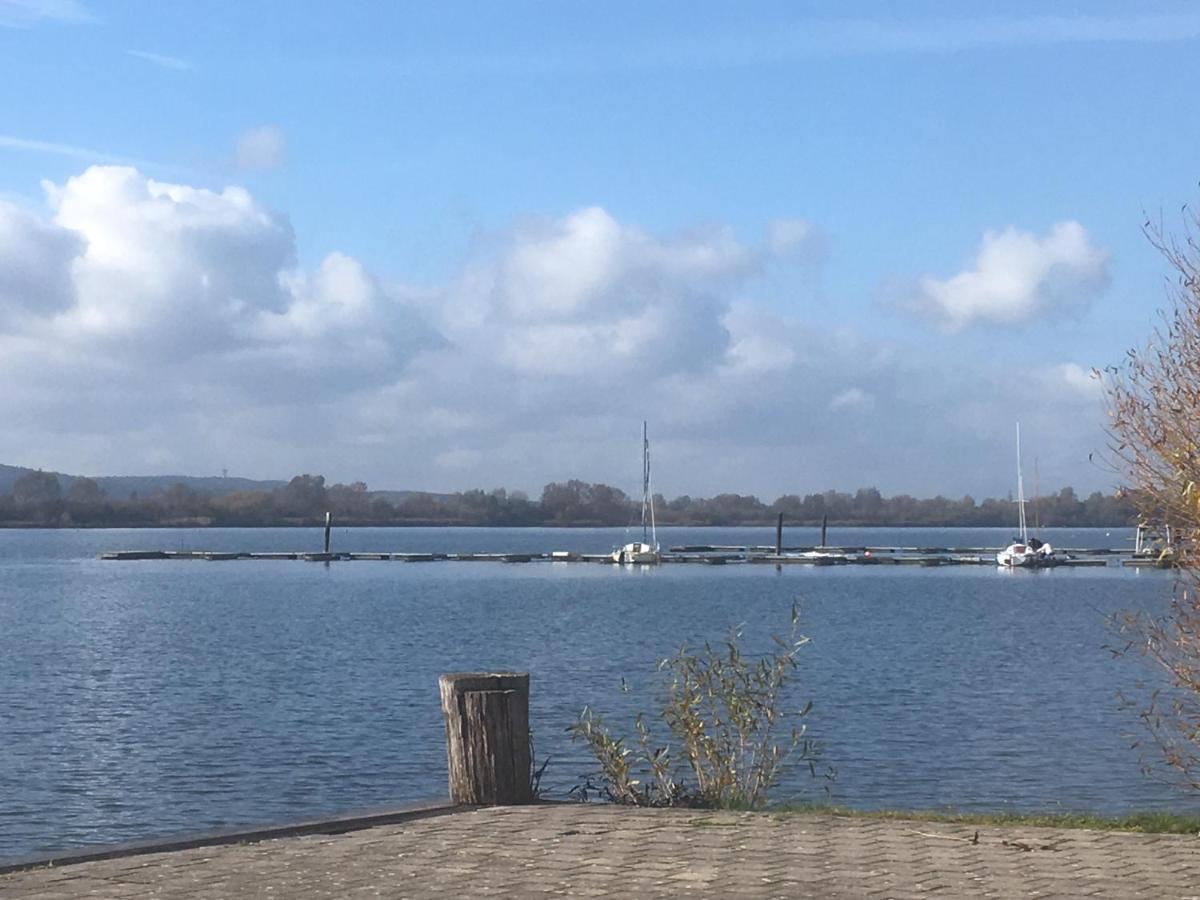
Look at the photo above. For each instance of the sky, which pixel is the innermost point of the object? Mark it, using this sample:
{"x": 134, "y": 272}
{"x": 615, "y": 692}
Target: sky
{"x": 443, "y": 246}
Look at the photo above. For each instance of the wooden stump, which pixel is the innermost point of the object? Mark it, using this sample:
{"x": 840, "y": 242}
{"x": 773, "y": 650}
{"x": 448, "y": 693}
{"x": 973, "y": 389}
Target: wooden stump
{"x": 487, "y": 737}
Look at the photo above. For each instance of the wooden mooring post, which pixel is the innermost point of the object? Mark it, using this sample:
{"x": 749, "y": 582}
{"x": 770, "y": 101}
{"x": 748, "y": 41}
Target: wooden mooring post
{"x": 487, "y": 737}
{"x": 779, "y": 536}
{"x": 328, "y": 526}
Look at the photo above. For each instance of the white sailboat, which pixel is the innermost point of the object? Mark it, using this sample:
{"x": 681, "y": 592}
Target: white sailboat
{"x": 1024, "y": 552}
{"x": 643, "y": 552}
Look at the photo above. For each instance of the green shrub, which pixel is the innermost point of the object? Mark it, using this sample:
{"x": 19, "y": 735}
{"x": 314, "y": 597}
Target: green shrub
{"x": 729, "y": 732}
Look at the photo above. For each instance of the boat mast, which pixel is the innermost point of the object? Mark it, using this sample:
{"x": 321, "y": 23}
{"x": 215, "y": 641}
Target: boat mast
{"x": 1021, "y": 491}
{"x": 645, "y": 479}
{"x": 650, "y": 491}
{"x": 1037, "y": 500}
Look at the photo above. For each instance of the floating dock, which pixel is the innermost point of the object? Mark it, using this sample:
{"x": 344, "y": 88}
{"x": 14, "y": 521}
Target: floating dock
{"x": 706, "y": 554}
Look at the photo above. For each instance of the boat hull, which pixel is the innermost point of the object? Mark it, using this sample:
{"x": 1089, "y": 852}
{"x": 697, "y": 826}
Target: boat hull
{"x": 637, "y": 553}
{"x": 1021, "y": 556}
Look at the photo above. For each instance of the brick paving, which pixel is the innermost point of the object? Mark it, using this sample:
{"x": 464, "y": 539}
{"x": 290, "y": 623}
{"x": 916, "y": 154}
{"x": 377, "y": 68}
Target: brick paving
{"x": 597, "y": 851}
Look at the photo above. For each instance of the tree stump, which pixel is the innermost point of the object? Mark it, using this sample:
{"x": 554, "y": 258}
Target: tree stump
{"x": 487, "y": 737}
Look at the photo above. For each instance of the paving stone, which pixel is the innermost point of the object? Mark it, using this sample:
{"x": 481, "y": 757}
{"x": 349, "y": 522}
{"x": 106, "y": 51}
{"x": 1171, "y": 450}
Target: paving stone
{"x": 585, "y": 851}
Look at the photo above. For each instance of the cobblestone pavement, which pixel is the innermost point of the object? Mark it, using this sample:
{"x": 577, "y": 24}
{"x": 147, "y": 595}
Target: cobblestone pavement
{"x": 592, "y": 851}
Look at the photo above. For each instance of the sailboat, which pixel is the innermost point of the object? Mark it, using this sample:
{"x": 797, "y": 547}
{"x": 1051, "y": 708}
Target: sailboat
{"x": 1024, "y": 552}
{"x": 645, "y": 551}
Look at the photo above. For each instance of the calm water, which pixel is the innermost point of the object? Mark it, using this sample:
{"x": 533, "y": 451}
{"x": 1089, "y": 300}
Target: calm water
{"x": 148, "y": 698}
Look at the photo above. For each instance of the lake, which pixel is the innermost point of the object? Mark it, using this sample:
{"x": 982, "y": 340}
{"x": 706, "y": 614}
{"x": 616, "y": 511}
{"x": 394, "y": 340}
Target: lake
{"x": 148, "y": 698}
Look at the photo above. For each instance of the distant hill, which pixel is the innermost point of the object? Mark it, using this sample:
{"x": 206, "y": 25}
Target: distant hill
{"x": 122, "y": 487}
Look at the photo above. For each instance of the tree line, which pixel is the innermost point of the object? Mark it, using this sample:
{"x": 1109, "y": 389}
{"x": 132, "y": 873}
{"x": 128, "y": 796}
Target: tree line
{"x": 38, "y": 500}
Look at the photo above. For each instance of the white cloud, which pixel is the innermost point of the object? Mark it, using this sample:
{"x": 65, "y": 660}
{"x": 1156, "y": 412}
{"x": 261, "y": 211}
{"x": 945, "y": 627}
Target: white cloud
{"x": 584, "y": 296}
{"x": 1016, "y": 277}
{"x": 1072, "y": 378}
{"x": 263, "y": 147}
{"x": 23, "y": 13}
{"x": 193, "y": 292}
{"x": 35, "y": 266}
{"x": 147, "y": 324}
{"x": 180, "y": 263}
{"x": 158, "y": 59}
{"x": 759, "y": 342}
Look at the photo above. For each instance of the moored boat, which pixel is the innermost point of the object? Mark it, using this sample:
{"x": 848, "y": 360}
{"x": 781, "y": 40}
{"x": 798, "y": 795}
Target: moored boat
{"x": 1025, "y": 552}
{"x": 644, "y": 552}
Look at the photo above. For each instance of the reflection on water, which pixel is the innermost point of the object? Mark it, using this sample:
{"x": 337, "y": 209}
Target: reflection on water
{"x": 146, "y": 698}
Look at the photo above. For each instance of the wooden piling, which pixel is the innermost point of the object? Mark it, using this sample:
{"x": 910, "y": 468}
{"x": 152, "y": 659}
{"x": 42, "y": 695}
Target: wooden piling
{"x": 824, "y": 523}
{"x": 328, "y": 525}
{"x": 779, "y": 535}
{"x": 487, "y": 737}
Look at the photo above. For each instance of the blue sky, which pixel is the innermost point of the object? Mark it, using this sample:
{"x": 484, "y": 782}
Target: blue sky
{"x": 817, "y": 245}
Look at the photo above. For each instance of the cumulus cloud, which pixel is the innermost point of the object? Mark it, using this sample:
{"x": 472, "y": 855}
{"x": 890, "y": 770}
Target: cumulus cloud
{"x": 138, "y": 288}
{"x": 182, "y": 264}
{"x": 263, "y": 147}
{"x": 555, "y": 327}
{"x": 150, "y": 324}
{"x": 585, "y": 295}
{"x": 759, "y": 341}
{"x": 1016, "y": 277}
{"x": 35, "y": 266}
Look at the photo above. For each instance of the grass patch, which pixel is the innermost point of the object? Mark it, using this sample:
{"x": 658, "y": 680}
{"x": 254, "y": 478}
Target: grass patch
{"x": 1145, "y": 822}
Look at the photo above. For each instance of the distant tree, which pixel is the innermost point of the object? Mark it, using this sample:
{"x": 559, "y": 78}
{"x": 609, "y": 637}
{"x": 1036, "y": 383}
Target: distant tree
{"x": 382, "y": 510}
{"x": 790, "y": 505}
{"x": 906, "y": 510}
{"x": 245, "y": 508}
{"x": 868, "y": 504}
{"x": 350, "y": 500}
{"x": 86, "y": 492}
{"x": 479, "y": 506}
{"x": 179, "y": 501}
{"x": 814, "y": 507}
{"x": 1063, "y": 508}
{"x": 562, "y": 502}
{"x": 577, "y": 502}
{"x": 420, "y": 506}
{"x": 303, "y": 496}
{"x": 609, "y": 504}
{"x": 36, "y": 488}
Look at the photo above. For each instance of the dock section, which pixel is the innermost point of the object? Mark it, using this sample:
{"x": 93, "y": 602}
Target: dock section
{"x": 714, "y": 555}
